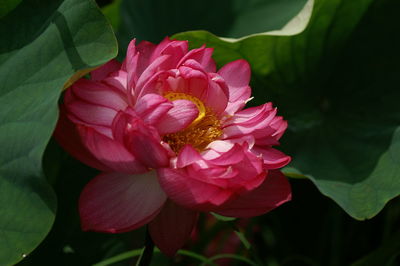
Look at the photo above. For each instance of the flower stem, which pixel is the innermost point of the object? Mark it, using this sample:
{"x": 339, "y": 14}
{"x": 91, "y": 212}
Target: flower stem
{"x": 147, "y": 254}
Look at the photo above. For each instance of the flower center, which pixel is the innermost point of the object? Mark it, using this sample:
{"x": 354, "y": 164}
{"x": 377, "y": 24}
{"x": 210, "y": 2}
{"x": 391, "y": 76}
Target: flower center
{"x": 172, "y": 96}
{"x": 203, "y": 130}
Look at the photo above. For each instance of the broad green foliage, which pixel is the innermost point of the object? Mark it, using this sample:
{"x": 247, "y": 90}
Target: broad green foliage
{"x": 330, "y": 66}
{"x": 152, "y": 20}
{"x": 111, "y": 12}
{"x": 7, "y": 5}
{"x": 335, "y": 83}
{"x": 43, "y": 48}
{"x": 223, "y": 218}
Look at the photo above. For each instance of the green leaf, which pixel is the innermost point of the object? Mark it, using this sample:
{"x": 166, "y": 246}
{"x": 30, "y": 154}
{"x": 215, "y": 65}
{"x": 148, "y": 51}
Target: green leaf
{"x": 243, "y": 239}
{"x": 7, "y": 5}
{"x": 335, "y": 83}
{"x": 347, "y": 138}
{"x": 40, "y": 52}
{"x": 233, "y": 256}
{"x": 195, "y": 255}
{"x": 292, "y": 172}
{"x": 120, "y": 257}
{"x": 112, "y": 13}
{"x": 153, "y": 20}
{"x": 138, "y": 252}
{"x": 258, "y": 49}
{"x": 223, "y": 218}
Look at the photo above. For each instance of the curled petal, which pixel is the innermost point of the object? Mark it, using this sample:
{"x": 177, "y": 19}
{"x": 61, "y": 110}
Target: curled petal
{"x": 145, "y": 50}
{"x": 144, "y": 143}
{"x": 121, "y": 122}
{"x": 131, "y": 63}
{"x": 93, "y": 115}
{"x": 273, "y": 159}
{"x": 280, "y": 126}
{"x": 264, "y": 136}
{"x": 110, "y": 152}
{"x": 89, "y": 114}
{"x": 164, "y": 229}
{"x": 159, "y": 48}
{"x": 115, "y": 202}
{"x": 189, "y": 192}
{"x": 220, "y": 146}
{"x": 199, "y": 84}
{"x": 99, "y": 94}
{"x": 270, "y": 135}
{"x": 195, "y": 80}
{"x": 272, "y": 193}
{"x": 118, "y": 80}
{"x": 178, "y": 117}
{"x": 251, "y": 115}
{"x": 201, "y": 55}
{"x": 187, "y": 156}
{"x": 216, "y": 97}
{"x": 68, "y": 137}
{"x": 152, "y": 107}
{"x": 221, "y": 177}
{"x": 230, "y": 157}
{"x": 226, "y": 144}
{"x": 165, "y": 56}
{"x": 149, "y": 75}
{"x": 249, "y": 120}
{"x": 244, "y": 169}
{"x": 237, "y": 76}
{"x": 103, "y": 71}
{"x": 235, "y": 170}
{"x": 176, "y": 50}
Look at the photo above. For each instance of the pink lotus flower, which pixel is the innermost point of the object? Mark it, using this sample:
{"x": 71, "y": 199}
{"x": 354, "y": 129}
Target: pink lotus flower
{"x": 169, "y": 134}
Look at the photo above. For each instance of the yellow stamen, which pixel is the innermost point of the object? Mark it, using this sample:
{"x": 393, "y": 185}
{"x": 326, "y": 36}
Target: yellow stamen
{"x": 173, "y": 96}
{"x": 203, "y": 130}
